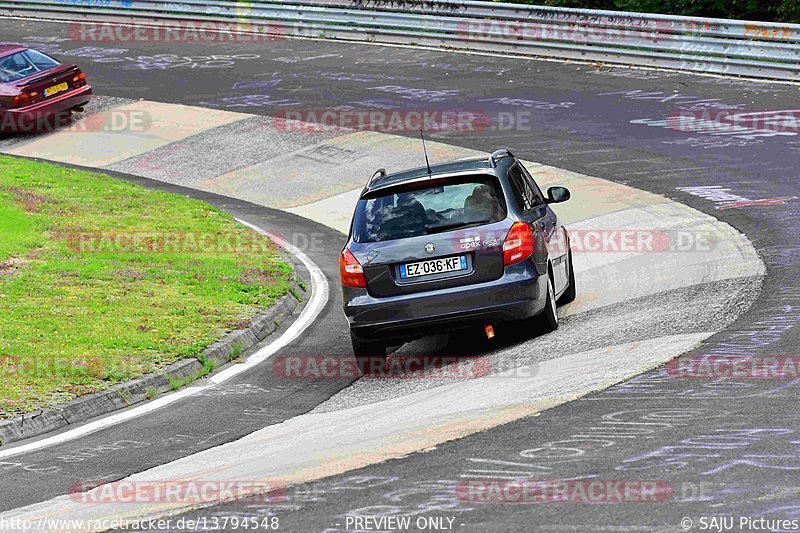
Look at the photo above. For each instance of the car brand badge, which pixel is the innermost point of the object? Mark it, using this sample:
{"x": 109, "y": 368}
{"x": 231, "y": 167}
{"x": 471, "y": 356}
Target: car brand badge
{"x": 430, "y": 248}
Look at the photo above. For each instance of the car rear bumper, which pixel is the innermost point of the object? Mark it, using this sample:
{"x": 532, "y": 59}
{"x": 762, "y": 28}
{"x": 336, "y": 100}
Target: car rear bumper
{"x": 520, "y": 293}
{"x": 34, "y": 117}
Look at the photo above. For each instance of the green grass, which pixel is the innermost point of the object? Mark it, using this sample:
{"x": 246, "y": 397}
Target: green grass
{"x": 18, "y": 232}
{"x": 102, "y": 281}
{"x": 177, "y": 383}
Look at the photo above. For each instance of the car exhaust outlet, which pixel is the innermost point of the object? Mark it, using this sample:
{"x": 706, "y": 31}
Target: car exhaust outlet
{"x": 78, "y": 109}
{"x": 489, "y": 331}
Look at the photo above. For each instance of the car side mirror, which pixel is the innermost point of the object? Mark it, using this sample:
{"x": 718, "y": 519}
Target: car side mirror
{"x": 556, "y": 195}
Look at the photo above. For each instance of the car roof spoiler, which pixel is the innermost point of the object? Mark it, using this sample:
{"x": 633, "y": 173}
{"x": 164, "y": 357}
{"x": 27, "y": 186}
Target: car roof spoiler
{"x": 502, "y": 152}
{"x": 380, "y": 173}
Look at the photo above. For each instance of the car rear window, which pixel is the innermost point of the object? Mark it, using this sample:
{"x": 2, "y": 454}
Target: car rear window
{"x": 23, "y": 64}
{"x": 422, "y": 209}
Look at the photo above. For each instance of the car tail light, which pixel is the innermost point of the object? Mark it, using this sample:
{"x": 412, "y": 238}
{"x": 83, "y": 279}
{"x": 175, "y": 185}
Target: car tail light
{"x": 20, "y": 100}
{"x": 351, "y": 272}
{"x": 518, "y": 245}
{"x": 79, "y": 80}
{"x": 34, "y": 97}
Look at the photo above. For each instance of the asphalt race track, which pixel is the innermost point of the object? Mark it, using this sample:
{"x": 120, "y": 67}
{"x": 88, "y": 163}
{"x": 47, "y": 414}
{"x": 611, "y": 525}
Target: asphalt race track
{"x": 725, "y": 447}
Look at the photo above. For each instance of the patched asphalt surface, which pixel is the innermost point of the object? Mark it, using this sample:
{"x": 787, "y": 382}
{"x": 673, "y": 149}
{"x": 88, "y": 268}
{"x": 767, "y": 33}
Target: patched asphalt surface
{"x": 667, "y": 313}
{"x": 725, "y": 447}
{"x": 215, "y": 160}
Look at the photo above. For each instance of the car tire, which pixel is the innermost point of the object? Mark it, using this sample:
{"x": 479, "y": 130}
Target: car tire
{"x": 571, "y": 292}
{"x": 548, "y": 318}
{"x": 370, "y": 355}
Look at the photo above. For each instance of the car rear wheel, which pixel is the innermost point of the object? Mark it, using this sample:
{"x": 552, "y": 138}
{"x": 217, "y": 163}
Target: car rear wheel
{"x": 549, "y": 316}
{"x": 370, "y": 355}
{"x": 570, "y": 293}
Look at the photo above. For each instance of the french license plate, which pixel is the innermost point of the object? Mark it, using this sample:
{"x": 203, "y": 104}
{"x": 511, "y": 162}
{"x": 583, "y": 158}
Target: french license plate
{"x": 55, "y": 89}
{"x": 433, "y": 266}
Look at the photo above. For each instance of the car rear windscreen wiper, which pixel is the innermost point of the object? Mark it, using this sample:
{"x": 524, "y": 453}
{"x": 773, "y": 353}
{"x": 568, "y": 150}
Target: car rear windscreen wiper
{"x": 446, "y": 227}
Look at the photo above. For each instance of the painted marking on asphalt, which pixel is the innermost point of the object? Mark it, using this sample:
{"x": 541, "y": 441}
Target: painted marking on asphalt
{"x": 619, "y": 162}
{"x": 290, "y": 184}
{"x": 668, "y": 171}
{"x": 124, "y": 132}
{"x": 319, "y": 297}
{"x": 334, "y": 211}
{"x": 598, "y": 151}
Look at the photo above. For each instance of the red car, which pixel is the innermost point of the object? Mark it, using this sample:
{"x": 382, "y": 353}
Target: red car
{"x": 36, "y": 90}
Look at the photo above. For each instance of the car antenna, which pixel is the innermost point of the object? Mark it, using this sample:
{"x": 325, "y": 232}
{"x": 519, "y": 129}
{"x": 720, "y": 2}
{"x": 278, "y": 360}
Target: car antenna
{"x": 427, "y": 163}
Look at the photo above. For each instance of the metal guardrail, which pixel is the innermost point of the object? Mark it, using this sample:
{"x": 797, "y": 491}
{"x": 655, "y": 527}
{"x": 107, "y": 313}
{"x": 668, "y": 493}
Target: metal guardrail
{"x": 753, "y": 49}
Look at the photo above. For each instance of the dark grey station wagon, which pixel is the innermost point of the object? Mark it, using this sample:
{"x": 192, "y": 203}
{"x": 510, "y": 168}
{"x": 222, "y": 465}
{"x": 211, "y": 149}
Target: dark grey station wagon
{"x": 462, "y": 244}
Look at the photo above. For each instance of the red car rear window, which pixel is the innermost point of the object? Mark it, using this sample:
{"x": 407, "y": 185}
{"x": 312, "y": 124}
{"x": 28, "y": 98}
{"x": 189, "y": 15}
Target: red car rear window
{"x": 20, "y": 65}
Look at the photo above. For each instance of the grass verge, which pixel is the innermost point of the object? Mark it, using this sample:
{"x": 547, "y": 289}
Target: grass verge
{"x": 102, "y": 281}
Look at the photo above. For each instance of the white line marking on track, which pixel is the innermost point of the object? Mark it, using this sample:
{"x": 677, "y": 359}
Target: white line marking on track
{"x": 598, "y": 151}
{"x": 669, "y": 171}
{"x": 319, "y": 297}
{"x": 619, "y": 162}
